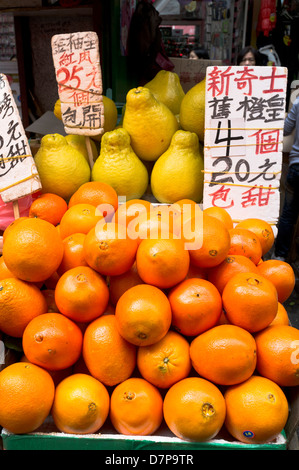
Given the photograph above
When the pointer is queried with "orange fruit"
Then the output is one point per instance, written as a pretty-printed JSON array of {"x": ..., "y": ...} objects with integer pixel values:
[
  {"x": 256, "y": 410},
  {"x": 250, "y": 301},
  {"x": 48, "y": 206},
  {"x": 26, "y": 394},
  {"x": 73, "y": 252},
  {"x": 168, "y": 215},
  {"x": 109, "y": 250},
  {"x": 136, "y": 407},
  {"x": 52, "y": 341},
  {"x": 81, "y": 405},
  {"x": 162, "y": 263},
  {"x": 281, "y": 274},
  {"x": 130, "y": 210},
  {"x": 81, "y": 294},
  {"x": 194, "y": 409},
  {"x": 229, "y": 354},
  {"x": 277, "y": 354},
  {"x": 262, "y": 230},
  {"x": 80, "y": 218},
  {"x": 282, "y": 317},
  {"x": 20, "y": 302},
  {"x": 143, "y": 315},
  {"x": 220, "y": 214},
  {"x": 119, "y": 284},
  {"x": 4, "y": 271},
  {"x": 231, "y": 265},
  {"x": 150, "y": 225},
  {"x": 98, "y": 194},
  {"x": 33, "y": 250},
  {"x": 246, "y": 243},
  {"x": 196, "y": 306},
  {"x": 107, "y": 355},
  {"x": 165, "y": 362},
  {"x": 49, "y": 295},
  {"x": 215, "y": 243}
]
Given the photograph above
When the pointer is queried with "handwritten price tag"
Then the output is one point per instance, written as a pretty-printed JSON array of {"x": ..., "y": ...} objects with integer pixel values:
[
  {"x": 18, "y": 173},
  {"x": 245, "y": 110},
  {"x": 78, "y": 74}
]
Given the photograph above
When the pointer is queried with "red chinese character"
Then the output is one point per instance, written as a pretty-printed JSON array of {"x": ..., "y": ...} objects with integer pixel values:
[
  {"x": 256, "y": 196},
  {"x": 66, "y": 59},
  {"x": 85, "y": 57},
  {"x": 221, "y": 194},
  {"x": 266, "y": 142},
  {"x": 219, "y": 81},
  {"x": 272, "y": 77},
  {"x": 245, "y": 80}
]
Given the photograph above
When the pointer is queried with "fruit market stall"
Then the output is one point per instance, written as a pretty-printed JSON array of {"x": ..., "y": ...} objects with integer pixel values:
[{"x": 140, "y": 318}]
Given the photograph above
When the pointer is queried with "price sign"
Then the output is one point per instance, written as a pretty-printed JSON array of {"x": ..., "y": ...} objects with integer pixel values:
[
  {"x": 18, "y": 173},
  {"x": 78, "y": 74},
  {"x": 244, "y": 117}
]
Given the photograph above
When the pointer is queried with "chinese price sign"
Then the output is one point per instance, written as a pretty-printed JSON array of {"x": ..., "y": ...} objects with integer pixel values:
[
  {"x": 244, "y": 118},
  {"x": 18, "y": 174},
  {"x": 78, "y": 74}
]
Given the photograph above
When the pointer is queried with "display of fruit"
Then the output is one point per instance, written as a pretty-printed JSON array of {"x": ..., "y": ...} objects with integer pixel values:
[{"x": 119, "y": 315}]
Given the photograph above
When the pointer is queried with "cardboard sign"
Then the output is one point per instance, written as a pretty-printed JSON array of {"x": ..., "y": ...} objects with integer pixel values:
[
  {"x": 18, "y": 173},
  {"x": 78, "y": 73},
  {"x": 244, "y": 117}
]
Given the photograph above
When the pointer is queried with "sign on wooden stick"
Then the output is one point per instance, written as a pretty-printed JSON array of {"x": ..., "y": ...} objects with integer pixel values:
[
  {"x": 244, "y": 118},
  {"x": 18, "y": 174}
]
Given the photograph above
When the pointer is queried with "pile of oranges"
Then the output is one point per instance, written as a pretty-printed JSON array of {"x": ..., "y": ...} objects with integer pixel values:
[{"x": 145, "y": 315}]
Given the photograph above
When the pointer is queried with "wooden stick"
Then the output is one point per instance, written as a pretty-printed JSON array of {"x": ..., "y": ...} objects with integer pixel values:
[
  {"x": 16, "y": 209},
  {"x": 89, "y": 151}
]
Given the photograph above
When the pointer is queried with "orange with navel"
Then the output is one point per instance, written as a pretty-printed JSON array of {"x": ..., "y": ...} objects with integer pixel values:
[
  {"x": 246, "y": 243},
  {"x": 48, "y": 206},
  {"x": 196, "y": 306},
  {"x": 143, "y": 315},
  {"x": 213, "y": 240},
  {"x": 194, "y": 409},
  {"x": 229, "y": 354},
  {"x": 166, "y": 361},
  {"x": 81, "y": 294},
  {"x": 80, "y": 218},
  {"x": 107, "y": 355},
  {"x": 81, "y": 405},
  {"x": 98, "y": 194},
  {"x": 162, "y": 263},
  {"x": 282, "y": 276},
  {"x": 262, "y": 230},
  {"x": 52, "y": 341},
  {"x": 20, "y": 302},
  {"x": 109, "y": 250},
  {"x": 26, "y": 396},
  {"x": 32, "y": 249},
  {"x": 231, "y": 265},
  {"x": 256, "y": 410},
  {"x": 136, "y": 407},
  {"x": 250, "y": 301},
  {"x": 277, "y": 354}
]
